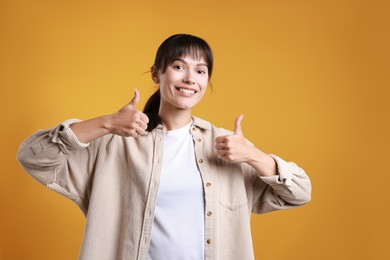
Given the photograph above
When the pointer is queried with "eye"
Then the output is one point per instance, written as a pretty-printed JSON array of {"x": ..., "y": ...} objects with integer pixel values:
[
  {"x": 202, "y": 70},
  {"x": 178, "y": 67}
]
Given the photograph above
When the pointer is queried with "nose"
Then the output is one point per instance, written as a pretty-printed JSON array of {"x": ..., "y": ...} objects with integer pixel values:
[{"x": 189, "y": 78}]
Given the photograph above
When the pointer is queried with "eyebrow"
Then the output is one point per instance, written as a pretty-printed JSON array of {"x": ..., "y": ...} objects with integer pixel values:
[{"x": 198, "y": 64}]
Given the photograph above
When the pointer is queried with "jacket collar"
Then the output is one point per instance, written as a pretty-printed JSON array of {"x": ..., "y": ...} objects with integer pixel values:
[
  {"x": 201, "y": 123},
  {"x": 196, "y": 121}
]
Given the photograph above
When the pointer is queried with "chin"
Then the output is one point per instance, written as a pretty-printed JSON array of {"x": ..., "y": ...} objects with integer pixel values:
[{"x": 187, "y": 106}]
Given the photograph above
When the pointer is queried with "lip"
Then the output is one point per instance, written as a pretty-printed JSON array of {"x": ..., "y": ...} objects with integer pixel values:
[{"x": 186, "y": 88}]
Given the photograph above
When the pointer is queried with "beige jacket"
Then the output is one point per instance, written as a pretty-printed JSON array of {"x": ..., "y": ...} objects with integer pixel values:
[{"x": 114, "y": 180}]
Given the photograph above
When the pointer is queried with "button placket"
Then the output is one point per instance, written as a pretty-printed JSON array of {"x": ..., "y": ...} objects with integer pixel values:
[
  {"x": 203, "y": 168},
  {"x": 152, "y": 196}
]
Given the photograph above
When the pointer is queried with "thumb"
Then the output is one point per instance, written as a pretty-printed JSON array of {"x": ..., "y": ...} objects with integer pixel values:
[
  {"x": 237, "y": 125},
  {"x": 135, "y": 99}
]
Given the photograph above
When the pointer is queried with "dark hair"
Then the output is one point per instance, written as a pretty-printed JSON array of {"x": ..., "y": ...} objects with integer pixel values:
[{"x": 174, "y": 47}]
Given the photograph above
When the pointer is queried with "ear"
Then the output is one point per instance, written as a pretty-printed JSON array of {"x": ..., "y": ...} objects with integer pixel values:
[{"x": 154, "y": 72}]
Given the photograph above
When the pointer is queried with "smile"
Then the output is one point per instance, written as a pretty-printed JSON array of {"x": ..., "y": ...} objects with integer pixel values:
[{"x": 186, "y": 90}]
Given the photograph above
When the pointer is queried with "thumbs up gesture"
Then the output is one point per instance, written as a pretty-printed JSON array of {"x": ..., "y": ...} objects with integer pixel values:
[
  {"x": 237, "y": 125},
  {"x": 129, "y": 121},
  {"x": 234, "y": 148}
]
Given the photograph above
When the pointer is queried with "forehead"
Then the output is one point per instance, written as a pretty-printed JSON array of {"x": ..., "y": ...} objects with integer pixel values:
[
  {"x": 188, "y": 59},
  {"x": 191, "y": 52}
]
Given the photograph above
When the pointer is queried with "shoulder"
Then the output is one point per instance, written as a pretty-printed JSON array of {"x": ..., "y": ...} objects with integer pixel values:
[{"x": 208, "y": 126}]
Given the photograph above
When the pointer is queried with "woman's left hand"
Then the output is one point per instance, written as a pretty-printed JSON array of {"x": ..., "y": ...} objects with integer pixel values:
[
  {"x": 237, "y": 149},
  {"x": 234, "y": 148}
]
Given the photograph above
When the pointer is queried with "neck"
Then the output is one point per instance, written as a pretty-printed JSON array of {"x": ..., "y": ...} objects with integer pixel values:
[{"x": 174, "y": 118}]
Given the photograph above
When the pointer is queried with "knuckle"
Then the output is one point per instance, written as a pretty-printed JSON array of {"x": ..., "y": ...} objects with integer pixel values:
[{"x": 145, "y": 118}]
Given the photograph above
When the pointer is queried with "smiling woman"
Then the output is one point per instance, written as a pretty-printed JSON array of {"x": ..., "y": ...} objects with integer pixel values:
[
  {"x": 189, "y": 62},
  {"x": 183, "y": 84},
  {"x": 164, "y": 184}
]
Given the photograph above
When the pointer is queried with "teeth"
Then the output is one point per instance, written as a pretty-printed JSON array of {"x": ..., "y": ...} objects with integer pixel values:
[{"x": 189, "y": 91}]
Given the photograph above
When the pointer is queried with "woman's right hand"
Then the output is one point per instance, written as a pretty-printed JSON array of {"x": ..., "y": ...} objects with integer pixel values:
[{"x": 129, "y": 121}]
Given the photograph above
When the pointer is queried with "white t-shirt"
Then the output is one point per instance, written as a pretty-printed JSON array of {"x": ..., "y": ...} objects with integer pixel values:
[{"x": 178, "y": 228}]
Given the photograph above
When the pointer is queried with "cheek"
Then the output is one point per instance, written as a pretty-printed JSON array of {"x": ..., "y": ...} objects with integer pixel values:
[
  {"x": 202, "y": 80},
  {"x": 202, "y": 92},
  {"x": 204, "y": 85},
  {"x": 164, "y": 91}
]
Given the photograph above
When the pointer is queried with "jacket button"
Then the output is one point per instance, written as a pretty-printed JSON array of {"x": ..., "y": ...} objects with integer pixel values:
[
  {"x": 209, "y": 213},
  {"x": 208, "y": 184},
  {"x": 200, "y": 161},
  {"x": 208, "y": 241},
  {"x": 199, "y": 139}
]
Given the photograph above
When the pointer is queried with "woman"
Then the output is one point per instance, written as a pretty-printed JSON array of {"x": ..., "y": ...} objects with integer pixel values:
[{"x": 163, "y": 184}]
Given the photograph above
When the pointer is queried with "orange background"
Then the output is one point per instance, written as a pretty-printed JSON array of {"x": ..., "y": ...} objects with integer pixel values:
[{"x": 311, "y": 78}]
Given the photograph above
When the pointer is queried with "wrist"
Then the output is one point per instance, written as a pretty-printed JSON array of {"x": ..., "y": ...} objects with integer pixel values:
[
  {"x": 264, "y": 164},
  {"x": 106, "y": 124},
  {"x": 255, "y": 156}
]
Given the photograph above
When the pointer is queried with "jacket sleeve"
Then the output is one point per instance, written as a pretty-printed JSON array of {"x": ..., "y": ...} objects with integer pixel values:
[
  {"x": 290, "y": 188},
  {"x": 58, "y": 160}
]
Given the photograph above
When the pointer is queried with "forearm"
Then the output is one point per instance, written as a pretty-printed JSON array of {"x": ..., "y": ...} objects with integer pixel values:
[
  {"x": 263, "y": 163},
  {"x": 44, "y": 153},
  {"x": 91, "y": 129},
  {"x": 295, "y": 192},
  {"x": 291, "y": 187}
]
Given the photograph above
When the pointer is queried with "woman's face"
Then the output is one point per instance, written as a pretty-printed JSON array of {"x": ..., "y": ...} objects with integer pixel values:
[{"x": 183, "y": 83}]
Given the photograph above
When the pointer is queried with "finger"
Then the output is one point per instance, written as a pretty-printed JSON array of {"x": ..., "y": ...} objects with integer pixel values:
[
  {"x": 140, "y": 116},
  {"x": 221, "y": 146},
  {"x": 144, "y": 118},
  {"x": 221, "y": 153},
  {"x": 142, "y": 124},
  {"x": 237, "y": 125},
  {"x": 139, "y": 131},
  {"x": 129, "y": 133},
  {"x": 221, "y": 139},
  {"x": 135, "y": 99}
]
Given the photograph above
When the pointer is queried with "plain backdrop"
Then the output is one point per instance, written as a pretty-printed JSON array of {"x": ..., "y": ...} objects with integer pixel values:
[{"x": 311, "y": 78}]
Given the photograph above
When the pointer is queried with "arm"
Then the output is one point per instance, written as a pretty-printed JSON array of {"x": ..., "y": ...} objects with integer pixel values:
[
  {"x": 58, "y": 160},
  {"x": 63, "y": 157},
  {"x": 280, "y": 184},
  {"x": 128, "y": 121},
  {"x": 235, "y": 148}
]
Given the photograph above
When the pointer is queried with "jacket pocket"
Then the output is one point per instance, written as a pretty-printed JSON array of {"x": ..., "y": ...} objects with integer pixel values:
[
  {"x": 231, "y": 184},
  {"x": 232, "y": 206}
]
